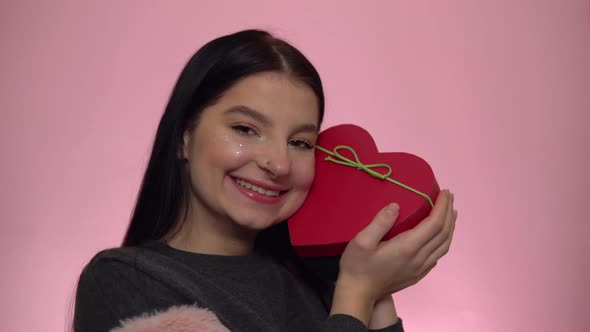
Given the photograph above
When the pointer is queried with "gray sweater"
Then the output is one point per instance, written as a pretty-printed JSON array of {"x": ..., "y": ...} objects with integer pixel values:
[{"x": 247, "y": 293}]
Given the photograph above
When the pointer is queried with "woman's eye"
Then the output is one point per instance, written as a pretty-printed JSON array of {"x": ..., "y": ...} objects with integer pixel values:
[
  {"x": 244, "y": 129},
  {"x": 301, "y": 143}
]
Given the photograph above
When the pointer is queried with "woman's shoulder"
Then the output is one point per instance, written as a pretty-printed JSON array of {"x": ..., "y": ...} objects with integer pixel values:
[
  {"x": 113, "y": 261},
  {"x": 134, "y": 258},
  {"x": 139, "y": 268},
  {"x": 116, "y": 285},
  {"x": 127, "y": 271},
  {"x": 116, "y": 254}
]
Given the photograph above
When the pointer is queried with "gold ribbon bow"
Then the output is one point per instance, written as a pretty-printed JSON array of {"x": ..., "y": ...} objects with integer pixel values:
[{"x": 336, "y": 157}]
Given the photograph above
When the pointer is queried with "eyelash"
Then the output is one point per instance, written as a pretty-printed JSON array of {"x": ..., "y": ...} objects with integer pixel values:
[
  {"x": 244, "y": 129},
  {"x": 302, "y": 144}
]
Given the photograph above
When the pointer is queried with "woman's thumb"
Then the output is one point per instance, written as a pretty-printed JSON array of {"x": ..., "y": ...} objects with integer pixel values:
[{"x": 381, "y": 224}]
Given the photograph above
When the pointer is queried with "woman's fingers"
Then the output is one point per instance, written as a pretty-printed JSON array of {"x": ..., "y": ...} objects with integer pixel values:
[
  {"x": 440, "y": 238},
  {"x": 413, "y": 240},
  {"x": 434, "y": 223},
  {"x": 443, "y": 249},
  {"x": 370, "y": 236}
]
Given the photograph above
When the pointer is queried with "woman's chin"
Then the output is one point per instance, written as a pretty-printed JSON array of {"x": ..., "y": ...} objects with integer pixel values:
[{"x": 257, "y": 225}]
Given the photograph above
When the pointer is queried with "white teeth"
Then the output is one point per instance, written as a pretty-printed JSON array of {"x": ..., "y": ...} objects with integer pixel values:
[{"x": 256, "y": 188}]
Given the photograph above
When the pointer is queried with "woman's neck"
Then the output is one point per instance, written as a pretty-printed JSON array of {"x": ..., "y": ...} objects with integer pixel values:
[{"x": 208, "y": 235}]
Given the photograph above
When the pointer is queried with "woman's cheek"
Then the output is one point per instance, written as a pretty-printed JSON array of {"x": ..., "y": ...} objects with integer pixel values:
[
  {"x": 305, "y": 175},
  {"x": 239, "y": 151},
  {"x": 235, "y": 151}
]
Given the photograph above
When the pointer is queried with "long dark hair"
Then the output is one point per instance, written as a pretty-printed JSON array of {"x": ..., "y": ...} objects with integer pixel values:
[{"x": 163, "y": 199}]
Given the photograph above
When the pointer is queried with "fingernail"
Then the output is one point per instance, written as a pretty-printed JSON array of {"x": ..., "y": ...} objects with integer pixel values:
[{"x": 392, "y": 208}]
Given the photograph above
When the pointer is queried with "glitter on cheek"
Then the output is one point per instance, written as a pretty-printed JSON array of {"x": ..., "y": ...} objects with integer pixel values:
[
  {"x": 244, "y": 151},
  {"x": 236, "y": 147},
  {"x": 239, "y": 151}
]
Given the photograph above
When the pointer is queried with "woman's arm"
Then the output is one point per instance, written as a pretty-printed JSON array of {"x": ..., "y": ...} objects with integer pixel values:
[
  {"x": 384, "y": 314},
  {"x": 350, "y": 299}
]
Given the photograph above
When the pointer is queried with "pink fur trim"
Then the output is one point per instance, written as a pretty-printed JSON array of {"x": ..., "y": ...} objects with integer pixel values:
[{"x": 175, "y": 319}]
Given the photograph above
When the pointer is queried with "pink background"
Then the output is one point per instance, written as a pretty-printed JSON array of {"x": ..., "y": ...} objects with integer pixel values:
[{"x": 494, "y": 94}]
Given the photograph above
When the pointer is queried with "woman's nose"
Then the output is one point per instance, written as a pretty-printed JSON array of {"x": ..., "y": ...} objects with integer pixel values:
[{"x": 276, "y": 161}]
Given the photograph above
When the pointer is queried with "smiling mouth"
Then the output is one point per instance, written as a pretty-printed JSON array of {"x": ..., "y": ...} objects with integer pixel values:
[{"x": 258, "y": 189}]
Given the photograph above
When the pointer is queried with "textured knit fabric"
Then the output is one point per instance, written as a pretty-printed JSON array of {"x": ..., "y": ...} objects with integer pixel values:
[
  {"x": 186, "y": 318},
  {"x": 246, "y": 293}
]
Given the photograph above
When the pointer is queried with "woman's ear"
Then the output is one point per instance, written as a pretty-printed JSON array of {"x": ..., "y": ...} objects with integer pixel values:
[{"x": 185, "y": 148}]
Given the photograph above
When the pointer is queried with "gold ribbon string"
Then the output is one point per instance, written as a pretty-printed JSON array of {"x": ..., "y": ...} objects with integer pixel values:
[{"x": 337, "y": 158}]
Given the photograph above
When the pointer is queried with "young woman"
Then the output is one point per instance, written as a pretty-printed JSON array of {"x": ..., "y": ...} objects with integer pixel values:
[{"x": 233, "y": 159}]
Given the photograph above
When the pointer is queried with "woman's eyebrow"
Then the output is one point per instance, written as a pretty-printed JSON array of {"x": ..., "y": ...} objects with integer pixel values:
[
  {"x": 311, "y": 128},
  {"x": 254, "y": 114},
  {"x": 247, "y": 111}
]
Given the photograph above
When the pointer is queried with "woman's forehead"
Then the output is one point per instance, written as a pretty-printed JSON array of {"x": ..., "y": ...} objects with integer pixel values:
[{"x": 273, "y": 95}]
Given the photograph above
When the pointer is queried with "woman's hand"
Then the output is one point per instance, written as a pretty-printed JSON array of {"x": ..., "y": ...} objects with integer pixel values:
[{"x": 371, "y": 269}]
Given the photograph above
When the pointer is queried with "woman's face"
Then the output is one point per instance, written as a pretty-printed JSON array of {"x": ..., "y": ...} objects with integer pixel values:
[{"x": 250, "y": 155}]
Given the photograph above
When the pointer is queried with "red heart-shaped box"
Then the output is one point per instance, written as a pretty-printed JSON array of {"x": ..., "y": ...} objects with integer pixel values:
[{"x": 343, "y": 200}]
